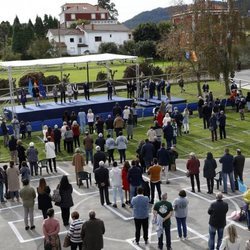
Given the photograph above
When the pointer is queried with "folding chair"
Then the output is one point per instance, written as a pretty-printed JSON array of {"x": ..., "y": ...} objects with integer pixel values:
[
  {"x": 43, "y": 164},
  {"x": 84, "y": 176}
]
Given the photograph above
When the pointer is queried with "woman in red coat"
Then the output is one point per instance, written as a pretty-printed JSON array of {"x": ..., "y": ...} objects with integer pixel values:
[
  {"x": 76, "y": 133},
  {"x": 125, "y": 184},
  {"x": 193, "y": 167},
  {"x": 159, "y": 118}
]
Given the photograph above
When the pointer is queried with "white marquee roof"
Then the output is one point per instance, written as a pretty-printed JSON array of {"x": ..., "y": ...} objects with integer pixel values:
[{"x": 67, "y": 60}]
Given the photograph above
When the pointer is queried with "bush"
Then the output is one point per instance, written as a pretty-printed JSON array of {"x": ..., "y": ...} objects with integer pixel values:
[
  {"x": 101, "y": 76},
  {"x": 51, "y": 80},
  {"x": 24, "y": 80},
  {"x": 145, "y": 49},
  {"x": 108, "y": 48},
  {"x": 4, "y": 84}
]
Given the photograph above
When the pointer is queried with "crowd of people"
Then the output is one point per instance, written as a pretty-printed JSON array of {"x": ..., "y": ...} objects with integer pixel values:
[{"x": 153, "y": 157}]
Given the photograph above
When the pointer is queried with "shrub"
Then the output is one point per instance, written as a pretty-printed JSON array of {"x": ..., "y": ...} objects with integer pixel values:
[
  {"x": 101, "y": 76},
  {"x": 24, "y": 80},
  {"x": 51, "y": 80}
]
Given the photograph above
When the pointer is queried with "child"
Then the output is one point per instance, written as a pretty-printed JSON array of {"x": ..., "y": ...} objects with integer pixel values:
[
  {"x": 29, "y": 129},
  {"x": 25, "y": 171}
]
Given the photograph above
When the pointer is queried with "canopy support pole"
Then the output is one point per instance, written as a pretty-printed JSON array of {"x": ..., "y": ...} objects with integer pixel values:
[{"x": 12, "y": 96}]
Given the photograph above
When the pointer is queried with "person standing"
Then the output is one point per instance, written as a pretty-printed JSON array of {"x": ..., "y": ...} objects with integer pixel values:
[
  {"x": 36, "y": 94},
  {"x": 109, "y": 90},
  {"x": 76, "y": 133},
  {"x": 140, "y": 204},
  {"x": 147, "y": 153},
  {"x": 121, "y": 142},
  {"x": 32, "y": 157},
  {"x": 125, "y": 183},
  {"x": 78, "y": 162},
  {"x": 90, "y": 119},
  {"x": 65, "y": 190},
  {"x": 68, "y": 137},
  {"x": 21, "y": 152},
  {"x": 24, "y": 171},
  {"x": 168, "y": 132},
  {"x": 206, "y": 114},
  {"x": 88, "y": 144},
  {"x": 213, "y": 127},
  {"x": 110, "y": 146},
  {"x": 168, "y": 90},
  {"x": 227, "y": 170},
  {"x": 117, "y": 110},
  {"x": 92, "y": 233},
  {"x": 193, "y": 166},
  {"x": 100, "y": 141},
  {"x": 28, "y": 195},
  {"x": 209, "y": 171},
  {"x": 57, "y": 139},
  {"x": 185, "y": 121},
  {"x": 55, "y": 93},
  {"x": 62, "y": 89},
  {"x": 86, "y": 90},
  {"x": 231, "y": 241},
  {"x": 155, "y": 179},
  {"x": 13, "y": 181},
  {"x": 222, "y": 124},
  {"x": 102, "y": 180},
  {"x": 130, "y": 127},
  {"x": 180, "y": 206},
  {"x": 82, "y": 120},
  {"x": 110, "y": 125},
  {"x": 116, "y": 183},
  {"x": 239, "y": 162},
  {"x": 43, "y": 197},
  {"x": 163, "y": 211},
  {"x": 75, "y": 91},
  {"x": 2, "y": 182},
  {"x": 74, "y": 232},
  {"x": 5, "y": 132},
  {"x": 98, "y": 156},
  {"x": 118, "y": 124},
  {"x": 163, "y": 158},
  {"x": 69, "y": 92},
  {"x": 50, "y": 153},
  {"x": 217, "y": 221},
  {"x": 16, "y": 127},
  {"x": 13, "y": 148},
  {"x": 51, "y": 229}
]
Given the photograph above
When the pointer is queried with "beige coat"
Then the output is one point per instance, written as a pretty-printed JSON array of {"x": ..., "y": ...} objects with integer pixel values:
[
  {"x": 78, "y": 162},
  {"x": 13, "y": 179}
]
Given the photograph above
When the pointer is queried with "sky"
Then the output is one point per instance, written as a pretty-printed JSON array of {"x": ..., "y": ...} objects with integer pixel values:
[{"x": 26, "y": 9}]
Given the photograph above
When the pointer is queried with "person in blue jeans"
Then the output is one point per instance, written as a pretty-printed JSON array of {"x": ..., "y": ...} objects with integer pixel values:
[
  {"x": 163, "y": 211},
  {"x": 227, "y": 170},
  {"x": 180, "y": 206},
  {"x": 217, "y": 221}
]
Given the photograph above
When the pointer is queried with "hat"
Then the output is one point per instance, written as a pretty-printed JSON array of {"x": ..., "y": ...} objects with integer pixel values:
[
  {"x": 56, "y": 126},
  {"x": 192, "y": 154},
  {"x": 86, "y": 132},
  {"x": 101, "y": 163},
  {"x": 31, "y": 144},
  {"x": 100, "y": 135},
  {"x": 97, "y": 148},
  {"x": 109, "y": 116},
  {"x": 238, "y": 150}
]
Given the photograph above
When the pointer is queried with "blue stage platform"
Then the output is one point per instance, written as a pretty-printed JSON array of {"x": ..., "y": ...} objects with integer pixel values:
[
  {"x": 51, "y": 110},
  {"x": 155, "y": 102}
]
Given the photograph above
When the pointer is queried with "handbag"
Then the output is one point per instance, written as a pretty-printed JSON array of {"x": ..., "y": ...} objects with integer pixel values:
[
  {"x": 47, "y": 245},
  {"x": 66, "y": 242},
  {"x": 56, "y": 197},
  {"x": 242, "y": 187},
  {"x": 187, "y": 173}
]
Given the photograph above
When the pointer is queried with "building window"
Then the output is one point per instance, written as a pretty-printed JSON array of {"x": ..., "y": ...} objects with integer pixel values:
[
  {"x": 103, "y": 16},
  {"x": 93, "y": 16},
  {"x": 98, "y": 38},
  {"x": 110, "y": 35},
  {"x": 71, "y": 40},
  {"x": 80, "y": 40},
  {"x": 73, "y": 16}
]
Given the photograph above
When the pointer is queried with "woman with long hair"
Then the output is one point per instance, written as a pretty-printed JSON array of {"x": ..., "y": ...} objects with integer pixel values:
[
  {"x": 209, "y": 171},
  {"x": 65, "y": 190},
  {"x": 125, "y": 184},
  {"x": 51, "y": 229},
  {"x": 44, "y": 198},
  {"x": 231, "y": 241}
]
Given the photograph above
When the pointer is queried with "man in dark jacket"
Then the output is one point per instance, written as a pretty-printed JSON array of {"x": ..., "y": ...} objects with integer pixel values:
[
  {"x": 147, "y": 153},
  {"x": 98, "y": 156},
  {"x": 57, "y": 138},
  {"x": 13, "y": 148},
  {"x": 227, "y": 169},
  {"x": 213, "y": 127},
  {"x": 117, "y": 110},
  {"x": 168, "y": 133},
  {"x": 222, "y": 124},
  {"x": 239, "y": 162},
  {"x": 163, "y": 158},
  {"x": 5, "y": 132},
  {"x": 102, "y": 180},
  {"x": 206, "y": 114},
  {"x": 92, "y": 233},
  {"x": 134, "y": 178},
  {"x": 100, "y": 141},
  {"x": 110, "y": 125},
  {"x": 217, "y": 220}
]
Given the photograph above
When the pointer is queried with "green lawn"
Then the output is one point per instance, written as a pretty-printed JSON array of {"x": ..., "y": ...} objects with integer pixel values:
[{"x": 197, "y": 141}]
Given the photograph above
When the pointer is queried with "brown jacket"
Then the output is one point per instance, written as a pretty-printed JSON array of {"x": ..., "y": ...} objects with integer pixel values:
[
  {"x": 118, "y": 122},
  {"x": 78, "y": 162},
  {"x": 88, "y": 142}
]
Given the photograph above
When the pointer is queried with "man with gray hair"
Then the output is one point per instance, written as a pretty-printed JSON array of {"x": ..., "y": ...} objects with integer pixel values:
[
  {"x": 217, "y": 221},
  {"x": 92, "y": 232}
]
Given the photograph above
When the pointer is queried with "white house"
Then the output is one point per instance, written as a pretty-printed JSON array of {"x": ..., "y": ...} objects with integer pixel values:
[{"x": 87, "y": 38}]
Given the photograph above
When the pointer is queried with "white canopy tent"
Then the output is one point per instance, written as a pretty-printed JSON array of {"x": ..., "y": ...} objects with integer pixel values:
[{"x": 106, "y": 58}]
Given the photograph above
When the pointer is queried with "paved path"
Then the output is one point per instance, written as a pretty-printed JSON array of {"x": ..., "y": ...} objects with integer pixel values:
[{"x": 119, "y": 222}]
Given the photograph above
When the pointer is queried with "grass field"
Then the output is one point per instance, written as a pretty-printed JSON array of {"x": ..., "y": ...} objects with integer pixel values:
[{"x": 198, "y": 141}]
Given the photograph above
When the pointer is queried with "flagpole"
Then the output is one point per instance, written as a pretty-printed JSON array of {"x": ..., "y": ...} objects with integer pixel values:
[{"x": 12, "y": 98}]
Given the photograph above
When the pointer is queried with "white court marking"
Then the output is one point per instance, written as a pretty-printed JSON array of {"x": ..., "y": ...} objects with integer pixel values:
[{"x": 113, "y": 210}]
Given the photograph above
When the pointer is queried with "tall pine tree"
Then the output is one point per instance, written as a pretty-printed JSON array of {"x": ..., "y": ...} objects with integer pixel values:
[{"x": 39, "y": 28}]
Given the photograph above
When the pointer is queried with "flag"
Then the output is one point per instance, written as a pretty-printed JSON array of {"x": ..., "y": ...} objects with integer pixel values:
[
  {"x": 193, "y": 56},
  {"x": 41, "y": 89},
  {"x": 30, "y": 86},
  {"x": 187, "y": 55}
]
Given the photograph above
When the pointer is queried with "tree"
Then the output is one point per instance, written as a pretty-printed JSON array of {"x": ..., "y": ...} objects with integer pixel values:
[
  {"x": 108, "y": 48},
  {"x": 146, "y": 48},
  {"x": 40, "y": 48},
  {"x": 39, "y": 28},
  {"x": 146, "y": 31},
  {"x": 164, "y": 28},
  {"x": 128, "y": 48},
  {"x": 105, "y": 4}
]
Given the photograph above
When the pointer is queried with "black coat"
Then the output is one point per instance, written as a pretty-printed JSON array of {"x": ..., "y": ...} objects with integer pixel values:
[
  {"x": 102, "y": 176},
  {"x": 147, "y": 151},
  {"x": 44, "y": 199},
  {"x": 217, "y": 212},
  {"x": 66, "y": 197},
  {"x": 100, "y": 141},
  {"x": 98, "y": 156},
  {"x": 209, "y": 168},
  {"x": 21, "y": 153},
  {"x": 57, "y": 134}
]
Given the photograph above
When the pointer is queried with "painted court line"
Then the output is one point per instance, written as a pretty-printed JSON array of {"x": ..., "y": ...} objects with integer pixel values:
[
  {"x": 119, "y": 214},
  {"x": 63, "y": 171}
]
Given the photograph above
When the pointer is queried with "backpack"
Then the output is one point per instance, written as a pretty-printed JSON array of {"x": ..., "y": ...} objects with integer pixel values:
[{"x": 56, "y": 197}]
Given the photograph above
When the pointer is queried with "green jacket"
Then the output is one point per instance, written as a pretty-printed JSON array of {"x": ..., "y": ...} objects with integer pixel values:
[
  {"x": 246, "y": 198},
  {"x": 28, "y": 195}
]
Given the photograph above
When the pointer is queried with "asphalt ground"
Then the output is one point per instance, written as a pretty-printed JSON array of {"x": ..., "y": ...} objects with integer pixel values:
[{"x": 120, "y": 230}]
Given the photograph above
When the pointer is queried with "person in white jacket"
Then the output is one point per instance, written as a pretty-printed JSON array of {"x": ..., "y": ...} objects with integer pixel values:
[
  {"x": 50, "y": 153},
  {"x": 116, "y": 183}
]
